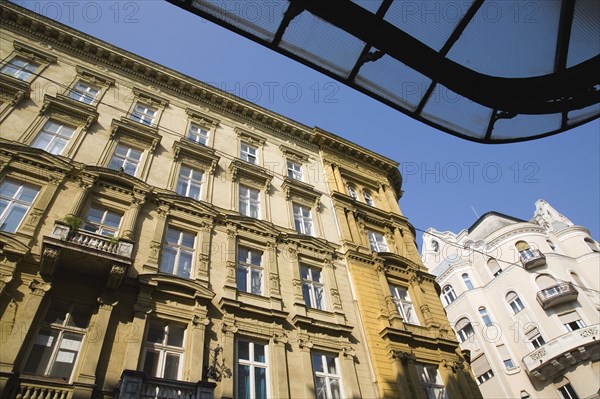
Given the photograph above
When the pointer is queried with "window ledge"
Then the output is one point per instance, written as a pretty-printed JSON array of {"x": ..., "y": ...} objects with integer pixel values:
[
  {"x": 246, "y": 302},
  {"x": 135, "y": 130},
  {"x": 14, "y": 90},
  {"x": 316, "y": 318}
]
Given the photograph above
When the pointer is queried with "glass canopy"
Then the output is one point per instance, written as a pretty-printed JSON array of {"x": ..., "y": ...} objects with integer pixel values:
[{"x": 484, "y": 70}]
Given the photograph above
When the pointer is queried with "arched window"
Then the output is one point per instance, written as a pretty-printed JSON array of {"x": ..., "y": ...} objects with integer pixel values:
[
  {"x": 522, "y": 246},
  {"x": 551, "y": 245},
  {"x": 368, "y": 198},
  {"x": 494, "y": 267},
  {"x": 464, "y": 329},
  {"x": 448, "y": 294},
  {"x": 467, "y": 281},
  {"x": 352, "y": 192},
  {"x": 547, "y": 284},
  {"x": 487, "y": 320},
  {"x": 435, "y": 246},
  {"x": 515, "y": 302},
  {"x": 593, "y": 245}
]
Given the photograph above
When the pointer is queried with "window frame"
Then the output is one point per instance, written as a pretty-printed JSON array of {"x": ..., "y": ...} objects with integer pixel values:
[
  {"x": 369, "y": 200},
  {"x": 446, "y": 294},
  {"x": 249, "y": 269},
  {"x": 352, "y": 192},
  {"x": 301, "y": 221},
  {"x": 164, "y": 349},
  {"x": 193, "y": 124},
  {"x": 310, "y": 285},
  {"x": 485, "y": 315},
  {"x": 249, "y": 201},
  {"x": 130, "y": 148},
  {"x": 465, "y": 332},
  {"x": 101, "y": 225},
  {"x": 293, "y": 172},
  {"x": 431, "y": 388},
  {"x": 11, "y": 201},
  {"x": 17, "y": 70},
  {"x": 567, "y": 391},
  {"x": 54, "y": 135},
  {"x": 375, "y": 244},
  {"x": 247, "y": 155},
  {"x": 189, "y": 181},
  {"x": 519, "y": 305},
  {"x": 401, "y": 304},
  {"x": 178, "y": 248},
  {"x": 253, "y": 365},
  {"x": 326, "y": 374},
  {"x": 468, "y": 282},
  {"x": 79, "y": 96}
]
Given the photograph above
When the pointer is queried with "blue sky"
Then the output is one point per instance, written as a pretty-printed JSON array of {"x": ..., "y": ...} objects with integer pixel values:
[{"x": 447, "y": 181}]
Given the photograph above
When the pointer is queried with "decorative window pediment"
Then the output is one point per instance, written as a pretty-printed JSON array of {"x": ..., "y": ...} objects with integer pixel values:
[
  {"x": 292, "y": 153},
  {"x": 137, "y": 134},
  {"x": 249, "y": 174},
  {"x": 202, "y": 118},
  {"x": 196, "y": 154},
  {"x": 250, "y": 138},
  {"x": 33, "y": 53},
  {"x": 13, "y": 90},
  {"x": 300, "y": 191},
  {"x": 62, "y": 107},
  {"x": 94, "y": 77},
  {"x": 188, "y": 206},
  {"x": 149, "y": 98},
  {"x": 252, "y": 225}
]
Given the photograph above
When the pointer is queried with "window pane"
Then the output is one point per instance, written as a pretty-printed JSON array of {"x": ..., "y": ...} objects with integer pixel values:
[
  {"x": 243, "y": 382},
  {"x": 12, "y": 221},
  {"x": 321, "y": 389},
  {"x": 175, "y": 337},
  {"x": 113, "y": 219},
  {"x": 151, "y": 363},
  {"x": 243, "y": 350},
  {"x": 259, "y": 353},
  {"x": 335, "y": 389},
  {"x": 260, "y": 382},
  {"x": 330, "y": 364},
  {"x": 242, "y": 284},
  {"x": 185, "y": 264},
  {"x": 319, "y": 298},
  {"x": 9, "y": 189},
  {"x": 317, "y": 363},
  {"x": 156, "y": 333},
  {"x": 41, "y": 352},
  {"x": 171, "y": 366},
  {"x": 256, "y": 282},
  {"x": 168, "y": 260}
]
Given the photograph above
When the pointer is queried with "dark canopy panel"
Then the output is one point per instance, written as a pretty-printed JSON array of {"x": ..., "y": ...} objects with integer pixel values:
[{"x": 484, "y": 70}]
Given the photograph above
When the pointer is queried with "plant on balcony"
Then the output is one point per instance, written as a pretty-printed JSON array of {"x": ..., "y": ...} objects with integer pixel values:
[{"x": 74, "y": 223}]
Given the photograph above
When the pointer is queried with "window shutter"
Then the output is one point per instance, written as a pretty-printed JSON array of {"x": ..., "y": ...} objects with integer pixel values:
[{"x": 480, "y": 365}]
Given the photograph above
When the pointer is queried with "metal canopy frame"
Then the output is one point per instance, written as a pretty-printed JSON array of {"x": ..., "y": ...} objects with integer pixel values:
[{"x": 564, "y": 90}]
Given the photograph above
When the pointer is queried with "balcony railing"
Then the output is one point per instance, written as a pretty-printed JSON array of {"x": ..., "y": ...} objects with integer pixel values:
[
  {"x": 38, "y": 388},
  {"x": 564, "y": 351},
  {"x": 136, "y": 385},
  {"x": 98, "y": 242},
  {"x": 531, "y": 258},
  {"x": 557, "y": 294}
]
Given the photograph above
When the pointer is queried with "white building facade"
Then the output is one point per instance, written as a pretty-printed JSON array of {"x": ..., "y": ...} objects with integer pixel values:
[{"x": 523, "y": 299}]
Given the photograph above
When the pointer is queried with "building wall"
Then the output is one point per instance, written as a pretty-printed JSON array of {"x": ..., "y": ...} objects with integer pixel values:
[{"x": 541, "y": 369}]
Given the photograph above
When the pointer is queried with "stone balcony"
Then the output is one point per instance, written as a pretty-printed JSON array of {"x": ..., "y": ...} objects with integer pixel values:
[
  {"x": 557, "y": 294},
  {"x": 137, "y": 385},
  {"x": 531, "y": 258},
  {"x": 30, "y": 387},
  {"x": 565, "y": 351}
]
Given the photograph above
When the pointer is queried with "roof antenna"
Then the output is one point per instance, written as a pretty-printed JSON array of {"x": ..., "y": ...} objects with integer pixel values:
[{"x": 473, "y": 209}]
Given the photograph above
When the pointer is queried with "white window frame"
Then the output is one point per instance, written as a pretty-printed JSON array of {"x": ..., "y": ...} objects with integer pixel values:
[
  {"x": 468, "y": 282},
  {"x": 62, "y": 136},
  {"x": 516, "y": 304},
  {"x": 179, "y": 249},
  {"x": 567, "y": 392},
  {"x": 311, "y": 287},
  {"x": 294, "y": 170},
  {"x": 404, "y": 304},
  {"x": 303, "y": 223},
  {"x": 488, "y": 375},
  {"x": 126, "y": 159},
  {"x": 377, "y": 242},
  {"x": 250, "y": 270},
  {"x": 368, "y": 198},
  {"x": 252, "y": 365},
  {"x": 248, "y": 153},
  {"x": 101, "y": 227},
  {"x": 198, "y": 134},
  {"x": 164, "y": 349},
  {"x": 352, "y": 192},
  {"x": 15, "y": 202},
  {"x": 245, "y": 197},
  {"x": 448, "y": 294},
  {"x": 144, "y": 113},
  {"x": 485, "y": 316},
  {"x": 326, "y": 375},
  {"x": 537, "y": 341},
  {"x": 578, "y": 323},
  {"x": 22, "y": 72},
  {"x": 83, "y": 91},
  {"x": 431, "y": 381},
  {"x": 465, "y": 332},
  {"x": 189, "y": 180}
]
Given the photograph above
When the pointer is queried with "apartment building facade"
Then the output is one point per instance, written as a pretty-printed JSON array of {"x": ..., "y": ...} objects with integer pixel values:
[
  {"x": 523, "y": 298},
  {"x": 162, "y": 238}
]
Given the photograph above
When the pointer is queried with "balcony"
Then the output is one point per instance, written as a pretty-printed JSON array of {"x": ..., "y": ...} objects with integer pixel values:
[
  {"x": 557, "y": 294},
  {"x": 40, "y": 387},
  {"x": 565, "y": 351},
  {"x": 531, "y": 258},
  {"x": 136, "y": 385}
]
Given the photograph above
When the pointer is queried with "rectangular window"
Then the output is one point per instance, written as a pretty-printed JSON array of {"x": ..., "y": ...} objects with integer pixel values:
[
  {"x": 368, "y": 198},
  {"x": 482, "y": 369},
  {"x": 197, "y": 134},
  {"x": 303, "y": 220},
  {"x": 19, "y": 68},
  {"x": 144, "y": 114},
  {"x": 84, "y": 92},
  {"x": 15, "y": 200},
  {"x": 535, "y": 338},
  {"x": 294, "y": 170},
  {"x": 126, "y": 159},
  {"x": 58, "y": 341},
  {"x": 250, "y": 271},
  {"x": 328, "y": 380},
  {"x": 163, "y": 350},
  {"x": 312, "y": 287},
  {"x": 178, "y": 253},
  {"x": 248, "y": 153},
  {"x": 404, "y": 304},
  {"x": 249, "y": 202},
  {"x": 100, "y": 220},
  {"x": 571, "y": 321},
  {"x": 505, "y": 356},
  {"x": 189, "y": 183},
  {"x": 252, "y": 370},
  {"x": 431, "y": 381},
  {"x": 485, "y": 376},
  {"x": 567, "y": 392},
  {"x": 377, "y": 242},
  {"x": 53, "y": 137}
]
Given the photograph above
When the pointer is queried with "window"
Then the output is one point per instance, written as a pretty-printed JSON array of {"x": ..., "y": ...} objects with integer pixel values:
[
  {"x": 485, "y": 376},
  {"x": 248, "y": 153},
  {"x": 189, "y": 183},
  {"x": 163, "y": 350},
  {"x": 487, "y": 320},
  {"x": 467, "y": 281},
  {"x": 20, "y": 68},
  {"x": 377, "y": 242},
  {"x": 368, "y": 198},
  {"x": 515, "y": 302},
  {"x": 126, "y": 159},
  {"x": 464, "y": 330},
  {"x": 178, "y": 253},
  {"x": 252, "y": 370},
  {"x": 294, "y": 170},
  {"x": 482, "y": 369},
  {"x": 571, "y": 321},
  {"x": 144, "y": 114},
  {"x": 593, "y": 245},
  {"x": 15, "y": 200},
  {"x": 352, "y": 192},
  {"x": 312, "y": 287},
  {"x": 494, "y": 267},
  {"x": 250, "y": 271},
  {"x": 197, "y": 134},
  {"x": 551, "y": 245},
  {"x": 303, "y": 220},
  {"x": 448, "y": 294},
  {"x": 328, "y": 381},
  {"x": 84, "y": 92},
  {"x": 505, "y": 356},
  {"x": 58, "y": 341},
  {"x": 535, "y": 338},
  {"x": 525, "y": 251},
  {"x": 102, "y": 221},
  {"x": 431, "y": 381},
  {"x": 53, "y": 137},
  {"x": 567, "y": 392},
  {"x": 404, "y": 304},
  {"x": 249, "y": 202}
]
